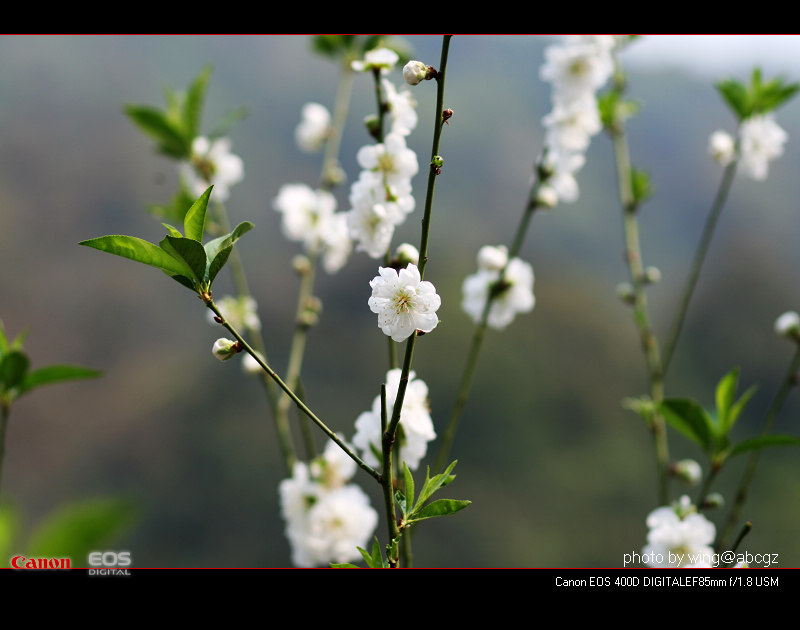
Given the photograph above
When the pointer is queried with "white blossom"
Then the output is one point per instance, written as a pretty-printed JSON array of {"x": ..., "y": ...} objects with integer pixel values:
[
  {"x": 392, "y": 158},
  {"x": 224, "y": 349},
  {"x": 761, "y": 141},
  {"x": 334, "y": 467},
  {"x": 403, "y": 302},
  {"x": 402, "y": 108},
  {"x": 788, "y": 325},
  {"x": 578, "y": 65},
  {"x": 314, "y": 128},
  {"x": 212, "y": 163},
  {"x": 382, "y": 59},
  {"x": 515, "y": 297},
  {"x": 414, "y": 72},
  {"x": 415, "y": 419},
  {"x": 679, "y": 537},
  {"x": 722, "y": 147}
]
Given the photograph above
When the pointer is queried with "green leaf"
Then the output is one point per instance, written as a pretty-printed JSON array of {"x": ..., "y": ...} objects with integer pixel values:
[
  {"x": 190, "y": 252},
  {"x": 9, "y": 528},
  {"x": 177, "y": 208},
  {"x": 80, "y": 528},
  {"x": 736, "y": 97},
  {"x": 56, "y": 374},
  {"x": 739, "y": 405},
  {"x": 640, "y": 185},
  {"x": 218, "y": 250},
  {"x": 195, "y": 221},
  {"x": 141, "y": 251},
  {"x": 764, "y": 441},
  {"x": 726, "y": 390},
  {"x": 173, "y": 230},
  {"x": 689, "y": 418},
  {"x": 3, "y": 340},
  {"x": 373, "y": 560},
  {"x": 432, "y": 485},
  {"x": 400, "y": 499},
  {"x": 157, "y": 125},
  {"x": 13, "y": 367},
  {"x": 441, "y": 507},
  {"x": 193, "y": 106},
  {"x": 409, "y": 483}
]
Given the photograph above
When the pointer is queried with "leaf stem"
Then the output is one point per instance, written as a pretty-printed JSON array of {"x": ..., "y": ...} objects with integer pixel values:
[
  {"x": 697, "y": 263},
  {"x": 789, "y": 381}
]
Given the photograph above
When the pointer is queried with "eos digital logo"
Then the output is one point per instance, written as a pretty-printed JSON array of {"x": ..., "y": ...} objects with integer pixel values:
[{"x": 111, "y": 562}]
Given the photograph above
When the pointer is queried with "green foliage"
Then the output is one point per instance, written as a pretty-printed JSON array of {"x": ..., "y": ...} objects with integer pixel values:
[
  {"x": 178, "y": 125},
  {"x": 640, "y": 185},
  {"x": 419, "y": 511},
  {"x": 184, "y": 258},
  {"x": 712, "y": 431},
  {"x": 756, "y": 98},
  {"x": 79, "y": 528},
  {"x": 16, "y": 378}
]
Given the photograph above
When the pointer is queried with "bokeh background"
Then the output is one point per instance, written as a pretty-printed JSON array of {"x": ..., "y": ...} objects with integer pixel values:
[{"x": 558, "y": 472}]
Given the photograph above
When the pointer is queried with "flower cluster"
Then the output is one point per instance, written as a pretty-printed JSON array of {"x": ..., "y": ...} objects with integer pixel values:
[
  {"x": 514, "y": 295},
  {"x": 679, "y": 537},
  {"x": 380, "y": 199},
  {"x": 403, "y": 302},
  {"x": 761, "y": 141},
  {"x": 310, "y": 217},
  {"x": 326, "y": 518},
  {"x": 415, "y": 420},
  {"x": 577, "y": 68},
  {"x": 212, "y": 163}
]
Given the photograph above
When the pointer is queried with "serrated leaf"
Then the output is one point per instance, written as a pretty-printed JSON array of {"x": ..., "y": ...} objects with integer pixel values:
[
  {"x": 195, "y": 221},
  {"x": 764, "y": 441},
  {"x": 726, "y": 390},
  {"x": 80, "y": 528},
  {"x": 141, "y": 251},
  {"x": 56, "y": 374},
  {"x": 190, "y": 252},
  {"x": 690, "y": 419},
  {"x": 13, "y": 367},
  {"x": 441, "y": 507},
  {"x": 157, "y": 125},
  {"x": 377, "y": 558},
  {"x": 736, "y": 97},
  {"x": 408, "y": 479}
]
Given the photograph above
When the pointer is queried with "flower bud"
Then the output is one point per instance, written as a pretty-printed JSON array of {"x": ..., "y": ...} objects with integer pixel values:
[
  {"x": 437, "y": 161},
  {"x": 652, "y": 275},
  {"x": 714, "y": 500},
  {"x": 625, "y": 292},
  {"x": 788, "y": 325},
  {"x": 224, "y": 349},
  {"x": 406, "y": 253},
  {"x": 547, "y": 197},
  {"x": 301, "y": 264},
  {"x": 373, "y": 125},
  {"x": 414, "y": 72},
  {"x": 722, "y": 147},
  {"x": 688, "y": 471},
  {"x": 492, "y": 258}
]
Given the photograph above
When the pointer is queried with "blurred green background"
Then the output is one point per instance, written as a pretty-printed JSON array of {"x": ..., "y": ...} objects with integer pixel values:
[{"x": 558, "y": 473}]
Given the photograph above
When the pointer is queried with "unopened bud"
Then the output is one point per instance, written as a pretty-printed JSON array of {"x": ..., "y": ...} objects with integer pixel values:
[
  {"x": 722, "y": 147},
  {"x": 313, "y": 304},
  {"x": 688, "y": 471},
  {"x": 373, "y": 125},
  {"x": 492, "y": 258},
  {"x": 447, "y": 115},
  {"x": 625, "y": 292},
  {"x": 437, "y": 161},
  {"x": 547, "y": 197},
  {"x": 405, "y": 254},
  {"x": 714, "y": 500},
  {"x": 414, "y": 72},
  {"x": 224, "y": 349},
  {"x": 652, "y": 275},
  {"x": 301, "y": 264},
  {"x": 788, "y": 325},
  {"x": 308, "y": 319}
]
